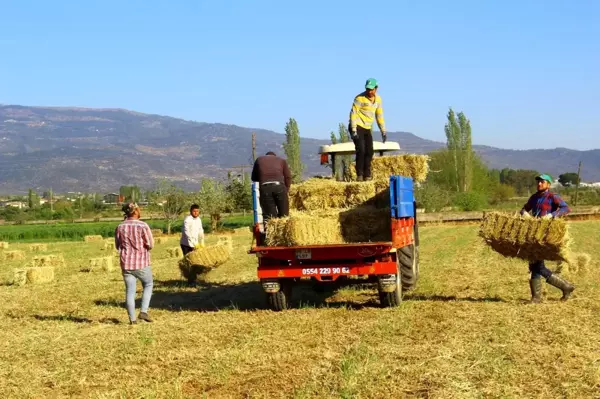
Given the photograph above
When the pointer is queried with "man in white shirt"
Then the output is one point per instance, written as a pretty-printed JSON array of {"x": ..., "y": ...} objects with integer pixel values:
[{"x": 192, "y": 233}]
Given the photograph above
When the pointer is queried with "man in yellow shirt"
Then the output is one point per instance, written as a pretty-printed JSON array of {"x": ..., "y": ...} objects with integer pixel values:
[{"x": 366, "y": 109}]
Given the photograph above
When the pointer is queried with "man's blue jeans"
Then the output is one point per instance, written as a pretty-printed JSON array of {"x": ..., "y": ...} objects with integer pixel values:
[
  {"x": 130, "y": 277},
  {"x": 538, "y": 269}
]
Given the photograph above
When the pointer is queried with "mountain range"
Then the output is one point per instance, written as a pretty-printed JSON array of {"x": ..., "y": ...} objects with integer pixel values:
[{"x": 83, "y": 149}]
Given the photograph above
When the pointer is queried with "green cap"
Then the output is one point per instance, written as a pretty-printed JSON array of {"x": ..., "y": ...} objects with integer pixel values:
[
  {"x": 544, "y": 176},
  {"x": 371, "y": 83}
]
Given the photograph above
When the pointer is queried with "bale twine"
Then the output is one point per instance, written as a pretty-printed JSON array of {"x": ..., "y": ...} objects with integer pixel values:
[
  {"x": 104, "y": 264},
  {"x": 40, "y": 275},
  {"x": 409, "y": 165},
  {"x": 201, "y": 260},
  {"x": 3, "y": 245},
  {"x": 13, "y": 255},
  {"x": 526, "y": 238},
  {"x": 19, "y": 277},
  {"x": 48, "y": 260},
  {"x": 38, "y": 247},
  {"x": 175, "y": 252},
  {"x": 93, "y": 238}
]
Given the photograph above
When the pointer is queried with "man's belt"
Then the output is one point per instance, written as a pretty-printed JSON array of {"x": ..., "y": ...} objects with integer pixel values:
[{"x": 270, "y": 182}]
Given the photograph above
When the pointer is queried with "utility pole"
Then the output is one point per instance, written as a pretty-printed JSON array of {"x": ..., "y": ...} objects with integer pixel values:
[
  {"x": 253, "y": 147},
  {"x": 578, "y": 181}
]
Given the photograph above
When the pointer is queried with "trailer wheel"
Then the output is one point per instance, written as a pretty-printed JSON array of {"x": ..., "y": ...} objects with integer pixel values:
[
  {"x": 394, "y": 298},
  {"x": 408, "y": 263},
  {"x": 280, "y": 300}
]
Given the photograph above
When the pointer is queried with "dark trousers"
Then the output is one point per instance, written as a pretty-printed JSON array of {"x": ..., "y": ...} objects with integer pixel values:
[
  {"x": 538, "y": 269},
  {"x": 364, "y": 151},
  {"x": 185, "y": 249},
  {"x": 274, "y": 201}
]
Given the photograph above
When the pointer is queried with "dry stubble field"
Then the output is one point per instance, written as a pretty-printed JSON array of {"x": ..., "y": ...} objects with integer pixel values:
[{"x": 465, "y": 332}]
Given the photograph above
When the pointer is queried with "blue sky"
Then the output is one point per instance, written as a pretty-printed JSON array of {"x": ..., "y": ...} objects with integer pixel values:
[{"x": 527, "y": 73}]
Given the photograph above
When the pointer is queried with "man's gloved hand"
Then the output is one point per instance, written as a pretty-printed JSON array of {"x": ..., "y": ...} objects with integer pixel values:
[
  {"x": 383, "y": 137},
  {"x": 354, "y": 136},
  {"x": 548, "y": 216}
]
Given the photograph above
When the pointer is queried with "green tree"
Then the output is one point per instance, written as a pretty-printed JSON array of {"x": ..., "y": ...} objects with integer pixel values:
[
  {"x": 459, "y": 143},
  {"x": 568, "y": 179},
  {"x": 130, "y": 193},
  {"x": 239, "y": 191},
  {"x": 213, "y": 200},
  {"x": 292, "y": 150},
  {"x": 33, "y": 200},
  {"x": 174, "y": 202}
]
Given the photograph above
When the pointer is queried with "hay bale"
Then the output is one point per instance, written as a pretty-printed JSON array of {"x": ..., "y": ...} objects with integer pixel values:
[
  {"x": 156, "y": 232},
  {"x": 320, "y": 194},
  {"x": 19, "y": 277},
  {"x": 38, "y": 247},
  {"x": 104, "y": 264},
  {"x": 201, "y": 260},
  {"x": 526, "y": 238},
  {"x": 175, "y": 252},
  {"x": 109, "y": 246},
  {"x": 92, "y": 238},
  {"x": 40, "y": 275},
  {"x": 226, "y": 241},
  {"x": 3, "y": 245},
  {"x": 161, "y": 240},
  {"x": 48, "y": 260},
  {"x": 409, "y": 165},
  {"x": 13, "y": 255},
  {"x": 334, "y": 226}
]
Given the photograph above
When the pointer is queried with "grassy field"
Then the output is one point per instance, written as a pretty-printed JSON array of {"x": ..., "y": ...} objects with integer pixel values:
[{"x": 465, "y": 332}]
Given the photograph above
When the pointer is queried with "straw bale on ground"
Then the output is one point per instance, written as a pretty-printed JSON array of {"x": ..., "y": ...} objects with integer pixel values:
[
  {"x": 334, "y": 226},
  {"x": 19, "y": 277},
  {"x": 201, "y": 260},
  {"x": 13, "y": 255},
  {"x": 409, "y": 165},
  {"x": 92, "y": 238},
  {"x": 175, "y": 252},
  {"x": 38, "y": 247},
  {"x": 48, "y": 260},
  {"x": 320, "y": 194},
  {"x": 109, "y": 245},
  {"x": 526, "y": 238},
  {"x": 3, "y": 245},
  {"x": 161, "y": 240},
  {"x": 104, "y": 264},
  {"x": 156, "y": 232},
  {"x": 40, "y": 275}
]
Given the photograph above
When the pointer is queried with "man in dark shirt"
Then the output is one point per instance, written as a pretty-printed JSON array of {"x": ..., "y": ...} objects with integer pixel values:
[
  {"x": 275, "y": 178},
  {"x": 546, "y": 205}
]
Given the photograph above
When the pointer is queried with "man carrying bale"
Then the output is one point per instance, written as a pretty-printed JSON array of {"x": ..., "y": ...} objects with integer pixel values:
[
  {"x": 545, "y": 204},
  {"x": 366, "y": 108},
  {"x": 274, "y": 177},
  {"x": 192, "y": 234},
  {"x": 133, "y": 240}
]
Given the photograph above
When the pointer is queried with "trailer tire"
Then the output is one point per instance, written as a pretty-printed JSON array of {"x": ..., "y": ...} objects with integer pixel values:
[
  {"x": 408, "y": 263},
  {"x": 394, "y": 298},
  {"x": 280, "y": 300}
]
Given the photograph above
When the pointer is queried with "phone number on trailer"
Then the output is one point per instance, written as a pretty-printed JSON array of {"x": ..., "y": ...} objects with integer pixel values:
[{"x": 325, "y": 270}]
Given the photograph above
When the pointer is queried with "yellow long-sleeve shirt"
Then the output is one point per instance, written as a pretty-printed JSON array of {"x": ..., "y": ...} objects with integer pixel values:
[{"x": 365, "y": 111}]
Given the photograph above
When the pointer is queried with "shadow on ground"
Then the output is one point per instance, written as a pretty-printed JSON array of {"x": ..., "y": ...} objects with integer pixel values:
[{"x": 178, "y": 295}]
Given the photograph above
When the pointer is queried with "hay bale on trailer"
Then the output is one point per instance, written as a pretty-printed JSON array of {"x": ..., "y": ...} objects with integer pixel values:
[
  {"x": 526, "y": 238},
  {"x": 201, "y": 260},
  {"x": 92, "y": 238},
  {"x": 48, "y": 260},
  {"x": 13, "y": 255},
  {"x": 40, "y": 275},
  {"x": 38, "y": 247},
  {"x": 175, "y": 252},
  {"x": 104, "y": 263},
  {"x": 409, "y": 165},
  {"x": 321, "y": 194}
]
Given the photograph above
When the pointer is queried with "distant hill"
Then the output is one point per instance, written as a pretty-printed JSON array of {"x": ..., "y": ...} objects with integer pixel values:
[{"x": 80, "y": 149}]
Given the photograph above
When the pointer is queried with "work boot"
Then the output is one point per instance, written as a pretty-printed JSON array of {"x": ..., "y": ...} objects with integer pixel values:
[
  {"x": 132, "y": 322},
  {"x": 359, "y": 178},
  {"x": 368, "y": 178},
  {"x": 563, "y": 285},
  {"x": 144, "y": 316},
  {"x": 536, "y": 290}
]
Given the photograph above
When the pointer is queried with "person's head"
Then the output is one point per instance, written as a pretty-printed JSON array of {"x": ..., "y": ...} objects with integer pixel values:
[
  {"x": 543, "y": 182},
  {"x": 195, "y": 210},
  {"x": 271, "y": 153},
  {"x": 371, "y": 87},
  {"x": 131, "y": 210}
]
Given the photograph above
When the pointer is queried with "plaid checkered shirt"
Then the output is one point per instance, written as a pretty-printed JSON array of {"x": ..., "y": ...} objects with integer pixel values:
[
  {"x": 541, "y": 204},
  {"x": 133, "y": 240}
]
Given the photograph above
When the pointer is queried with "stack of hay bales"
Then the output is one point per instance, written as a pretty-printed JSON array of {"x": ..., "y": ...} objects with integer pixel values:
[
  {"x": 104, "y": 263},
  {"x": 201, "y": 260},
  {"x": 92, "y": 238},
  {"x": 48, "y": 260},
  {"x": 325, "y": 211},
  {"x": 38, "y": 247},
  {"x": 526, "y": 238}
]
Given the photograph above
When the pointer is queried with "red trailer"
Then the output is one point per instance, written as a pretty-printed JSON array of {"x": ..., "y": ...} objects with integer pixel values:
[{"x": 392, "y": 265}]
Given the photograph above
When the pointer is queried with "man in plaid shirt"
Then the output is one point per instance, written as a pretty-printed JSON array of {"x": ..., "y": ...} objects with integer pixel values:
[
  {"x": 133, "y": 240},
  {"x": 547, "y": 205}
]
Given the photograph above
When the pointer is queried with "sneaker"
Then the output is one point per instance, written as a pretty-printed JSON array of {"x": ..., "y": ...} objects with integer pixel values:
[{"x": 145, "y": 317}]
